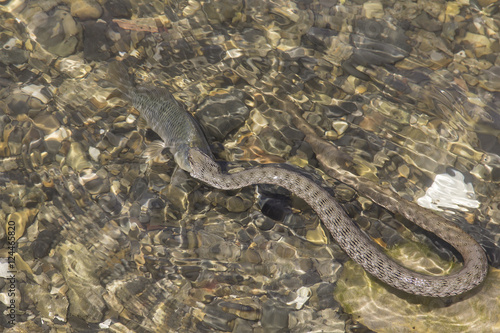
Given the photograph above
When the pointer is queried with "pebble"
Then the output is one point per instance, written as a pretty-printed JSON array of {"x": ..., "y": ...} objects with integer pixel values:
[
  {"x": 76, "y": 158},
  {"x": 85, "y": 9},
  {"x": 489, "y": 78},
  {"x": 217, "y": 319},
  {"x": 51, "y": 306},
  {"x": 95, "y": 184},
  {"x": 58, "y": 33},
  {"x": 95, "y": 41},
  {"x": 9, "y": 164},
  {"x": 222, "y": 114},
  {"x": 42, "y": 244},
  {"x": 244, "y": 308},
  {"x": 18, "y": 222},
  {"x": 85, "y": 294},
  {"x": 284, "y": 251},
  {"x": 18, "y": 104},
  {"x": 373, "y": 9},
  {"x": 11, "y": 49},
  {"x": 39, "y": 92},
  {"x": 253, "y": 257},
  {"x": 317, "y": 235},
  {"x": 242, "y": 326},
  {"x": 264, "y": 223},
  {"x": 110, "y": 203},
  {"x": 48, "y": 123},
  {"x": 222, "y": 12},
  {"x": 118, "y": 8},
  {"x": 179, "y": 189},
  {"x": 94, "y": 153},
  {"x": 453, "y": 8},
  {"x": 73, "y": 66},
  {"x": 481, "y": 45},
  {"x": 303, "y": 295},
  {"x": 449, "y": 30},
  {"x": 427, "y": 23},
  {"x": 340, "y": 127},
  {"x": 274, "y": 316},
  {"x": 239, "y": 203}
]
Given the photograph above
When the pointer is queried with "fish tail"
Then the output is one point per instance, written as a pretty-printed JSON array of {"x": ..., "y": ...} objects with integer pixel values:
[{"x": 119, "y": 76}]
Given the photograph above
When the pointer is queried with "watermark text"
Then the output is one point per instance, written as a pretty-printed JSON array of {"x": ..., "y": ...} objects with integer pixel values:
[{"x": 11, "y": 273}]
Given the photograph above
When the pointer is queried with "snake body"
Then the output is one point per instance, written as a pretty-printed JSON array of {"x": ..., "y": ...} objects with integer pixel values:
[{"x": 352, "y": 240}]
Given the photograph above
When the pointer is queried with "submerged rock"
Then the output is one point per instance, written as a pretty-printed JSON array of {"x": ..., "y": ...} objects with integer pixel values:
[
  {"x": 222, "y": 114},
  {"x": 489, "y": 79},
  {"x": 58, "y": 33},
  {"x": 95, "y": 41},
  {"x": 11, "y": 49},
  {"x": 85, "y": 9},
  {"x": 77, "y": 157}
]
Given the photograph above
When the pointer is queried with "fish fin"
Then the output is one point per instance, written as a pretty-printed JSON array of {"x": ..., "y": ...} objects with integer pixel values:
[
  {"x": 154, "y": 149},
  {"x": 142, "y": 122},
  {"x": 182, "y": 161},
  {"x": 176, "y": 169},
  {"x": 158, "y": 93},
  {"x": 119, "y": 76},
  {"x": 115, "y": 93}
]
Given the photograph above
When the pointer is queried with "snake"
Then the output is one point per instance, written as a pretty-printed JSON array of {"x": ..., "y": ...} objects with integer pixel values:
[
  {"x": 184, "y": 137},
  {"x": 348, "y": 235}
]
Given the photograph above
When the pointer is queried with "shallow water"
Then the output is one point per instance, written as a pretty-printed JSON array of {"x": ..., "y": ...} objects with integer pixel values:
[{"x": 106, "y": 240}]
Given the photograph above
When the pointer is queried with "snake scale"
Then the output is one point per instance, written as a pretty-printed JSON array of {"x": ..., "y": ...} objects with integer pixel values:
[{"x": 352, "y": 240}]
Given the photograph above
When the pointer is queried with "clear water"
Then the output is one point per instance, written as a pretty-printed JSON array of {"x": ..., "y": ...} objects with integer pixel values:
[{"x": 106, "y": 240}]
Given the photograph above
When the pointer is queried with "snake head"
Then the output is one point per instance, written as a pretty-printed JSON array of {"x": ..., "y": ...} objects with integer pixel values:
[{"x": 203, "y": 167}]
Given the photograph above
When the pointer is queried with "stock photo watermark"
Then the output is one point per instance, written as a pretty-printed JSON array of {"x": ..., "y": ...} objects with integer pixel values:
[{"x": 9, "y": 271}]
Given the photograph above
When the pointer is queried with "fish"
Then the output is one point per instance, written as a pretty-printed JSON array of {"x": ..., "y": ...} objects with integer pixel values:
[{"x": 166, "y": 116}]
